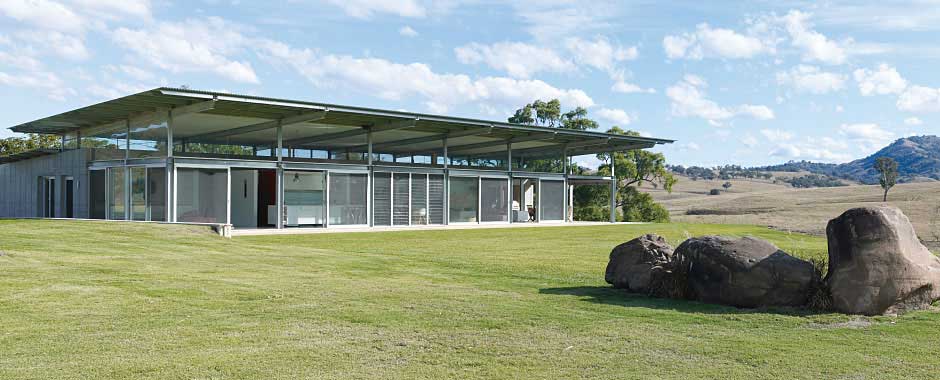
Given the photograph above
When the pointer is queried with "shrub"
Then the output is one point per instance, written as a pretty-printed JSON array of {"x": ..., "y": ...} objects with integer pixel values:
[{"x": 714, "y": 192}]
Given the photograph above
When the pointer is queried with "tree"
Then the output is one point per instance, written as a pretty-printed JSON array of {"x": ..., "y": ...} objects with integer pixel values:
[
  {"x": 632, "y": 169},
  {"x": 32, "y": 141},
  {"x": 726, "y": 185},
  {"x": 888, "y": 168}
]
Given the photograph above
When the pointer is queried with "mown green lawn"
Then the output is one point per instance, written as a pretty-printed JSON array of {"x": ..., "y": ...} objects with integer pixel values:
[{"x": 88, "y": 300}]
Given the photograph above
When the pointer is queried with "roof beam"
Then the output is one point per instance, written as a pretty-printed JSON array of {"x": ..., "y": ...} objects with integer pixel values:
[
  {"x": 425, "y": 139},
  {"x": 391, "y": 126},
  {"x": 555, "y": 150},
  {"x": 487, "y": 144},
  {"x": 289, "y": 120},
  {"x": 193, "y": 108}
]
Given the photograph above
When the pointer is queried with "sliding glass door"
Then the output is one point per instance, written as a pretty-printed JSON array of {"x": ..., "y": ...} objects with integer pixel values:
[
  {"x": 348, "y": 194},
  {"x": 304, "y": 199}
]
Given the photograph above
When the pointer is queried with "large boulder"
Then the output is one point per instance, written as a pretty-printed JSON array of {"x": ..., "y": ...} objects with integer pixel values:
[
  {"x": 747, "y": 272},
  {"x": 634, "y": 264},
  {"x": 877, "y": 265}
]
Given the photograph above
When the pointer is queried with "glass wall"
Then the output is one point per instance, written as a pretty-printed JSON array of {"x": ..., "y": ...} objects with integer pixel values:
[
  {"x": 138, "y": 193},
  {"x": 400, "y": 196},
  {"x": 148, "y": 136},
  {"x": 552, "y": 200},
  {"x": 494, "y": 200},
  {"x": 106, "y": 143},
  {"x": 201, "y": 195},
  {"x": 117, "y": 182},
  {"x": 464, "y": 201},
  {"x": 349, "y": 199},
  {"x": 304, "y": 198},
  {"x": 419, "y": 199},
  {"x": 156, "y": 194},
  {"x": 435, "y": 199}
]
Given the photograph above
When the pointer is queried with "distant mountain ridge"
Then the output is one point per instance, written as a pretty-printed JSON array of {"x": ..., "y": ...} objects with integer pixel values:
[{"x": 918, "y": 159}]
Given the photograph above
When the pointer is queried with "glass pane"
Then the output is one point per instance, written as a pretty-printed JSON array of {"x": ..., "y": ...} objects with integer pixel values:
[
  {"x": 107, "y": 143},
  {"x": 464, "y": 192},
  {"x": 348, "y": 197},
  {"x": 116, "y": 201},
  {"x": 201, "y": 195},
  {"x": 382, "y": 199},
  {"x": 419, "y": 199},
  {"x": 553, "y": 200},
  {"x": 216, "y": 136},
  {"x": 138, "y": 193},
  {"x": 494, "y": 200},
  {"x": 148, "y": 136},
  {"x": 156, "y": 193},
  {"x": 303, "y": 198},
  {"x": 98, "y": 192}
]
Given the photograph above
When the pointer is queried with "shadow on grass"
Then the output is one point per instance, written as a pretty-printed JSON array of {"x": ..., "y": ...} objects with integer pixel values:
[{"x": 612, "y": 296}]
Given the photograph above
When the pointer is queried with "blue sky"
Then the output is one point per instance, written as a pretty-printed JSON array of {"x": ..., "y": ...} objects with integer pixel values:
[{"x": 745, "y": 83}]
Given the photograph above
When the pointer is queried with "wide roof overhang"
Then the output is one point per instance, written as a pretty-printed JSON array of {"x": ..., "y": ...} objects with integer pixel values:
[{"x": 242, "y": 119}]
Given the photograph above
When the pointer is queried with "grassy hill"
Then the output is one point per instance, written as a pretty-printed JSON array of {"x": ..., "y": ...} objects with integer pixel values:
[
  {"x": 785, "y": 208},
  {"x": 109, "y": 300}
]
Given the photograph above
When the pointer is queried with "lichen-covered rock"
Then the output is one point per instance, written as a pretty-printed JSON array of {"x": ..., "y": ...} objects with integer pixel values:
[
  {"x": 747, "y": 272},
  {"x": 633, "y": 264},
  {"x": 877, "y": 265}
]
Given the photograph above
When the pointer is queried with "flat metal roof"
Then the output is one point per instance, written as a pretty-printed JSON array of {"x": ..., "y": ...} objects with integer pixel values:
[{"x": 532, "y": 140}]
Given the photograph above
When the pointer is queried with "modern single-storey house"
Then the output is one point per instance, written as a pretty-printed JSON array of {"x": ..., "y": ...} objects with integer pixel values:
[{"x": 179, "y": 155}]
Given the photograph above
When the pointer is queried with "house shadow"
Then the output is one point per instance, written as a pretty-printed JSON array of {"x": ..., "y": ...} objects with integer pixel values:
[{"x": 609, "y": 295}]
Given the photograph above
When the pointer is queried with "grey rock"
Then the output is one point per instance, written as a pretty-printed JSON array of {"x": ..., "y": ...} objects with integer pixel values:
[
  {"x": 877, "y": 265},
  {"x": 633, "y": 264},
  {"x": 747, "y": 272}
]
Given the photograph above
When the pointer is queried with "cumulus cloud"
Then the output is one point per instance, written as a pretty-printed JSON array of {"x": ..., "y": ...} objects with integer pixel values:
[
  {"x": 869, "y": 136},
  {"x": 708, "y": 42},
  {"x": 440, "y": 91},
  {"x": 407, "y": 31},
  {"x": 688, "y": 98},
  {"x": 61, "y": 44},
  {"x": 811, "y": 79},
  {"x": 776, "y": 135},
  {"x": 191, "y": 46},
  {"x": 822, "y": 149},
  {"x": 48, "y": 82},
  {"x": 519, "y": 60},
  {"x": 366, "y": 9},
  {"x": 599, "y": 53},
  {"x": 616, "y": 116},
  {"x": 814, "y": 45},
  {"x": 881, "y": 81},
  {"x": 919, "y": 99},
  {"x": 621, "y": 84},
  {"x": 46, "y": 14}
]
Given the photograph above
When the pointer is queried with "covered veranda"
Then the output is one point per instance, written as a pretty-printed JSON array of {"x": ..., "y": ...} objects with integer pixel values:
[{"x": 180, "y": 155}]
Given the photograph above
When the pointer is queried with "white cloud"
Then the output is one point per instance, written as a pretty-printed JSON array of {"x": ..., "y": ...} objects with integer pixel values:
[
  {"x": 46, "y": 14},
  {"x": 884, "y": 80},
  {"x": 517, "y": 59},
  {"x": 599, "y": 53},
  {"x": 869, "y": 136},
  {"x": 688, "y": 98},
  {"x": 913, "y": 121},
  {"x": 115, "y": 9},
  {"x": 191, "y": 46},
  {"x": 407, "y": 31},
  {"x": 49, "y": 82},
  {"x": 616, "y": 116},
  {"x": 811, "y": 79},
  {"x": 550, "y": 21},
  {"x": 919, "y": 99},
  {"x": 366, "y": 9},
  {"x": 439, "y": 91},
  {"x": 708, "y": 42},
  {"x": 814, "y": 45},
  {"x": 64, "y": 45},
  {"x": 623, "y": 86},
  {"x": 776, "y": 135},
  {"x": 820, "y": 149}
]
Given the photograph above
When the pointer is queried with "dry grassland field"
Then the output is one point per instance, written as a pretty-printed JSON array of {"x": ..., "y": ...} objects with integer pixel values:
[{"x": 779, "y": 206}]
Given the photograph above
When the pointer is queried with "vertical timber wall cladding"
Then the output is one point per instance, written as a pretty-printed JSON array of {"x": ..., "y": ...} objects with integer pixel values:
[{"x": 19, "y": 184}]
